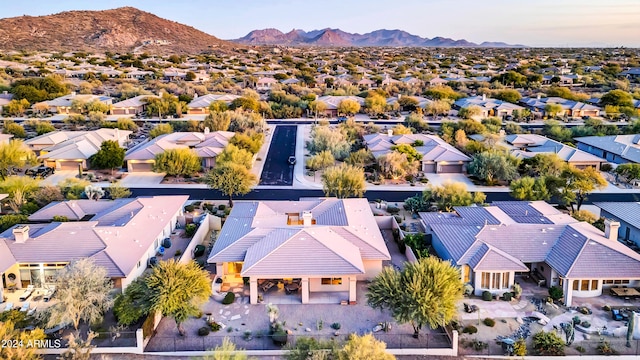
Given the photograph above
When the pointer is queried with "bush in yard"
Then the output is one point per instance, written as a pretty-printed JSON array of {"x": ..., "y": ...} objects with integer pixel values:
[
  {"x": 520, "y": 347},
  {"x": 189, "y": 208},
  {"x": 548, "y": 344},
  {"x": 489, "y": 322},
  {"x": 585, "y": 324},
  {"x": 280, "y": 338},
  {"x": 335, "y": 326},
  {"x": 204, "y": 331},
  {"x": 190, "y": 229},
  {"x": 392, "y": 210},
  {"x": 222, "y": 207},
  {"x": 487, "y": 296},
  {"x": 555, "y": 293},
  {"x": 229, "y": 298},
  {"x": 470, "y": 329},
  {"x": 215, "y": 326}
]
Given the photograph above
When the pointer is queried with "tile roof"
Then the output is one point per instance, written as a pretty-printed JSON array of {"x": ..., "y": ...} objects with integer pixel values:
[
  {"x": 206, "y": 144},
  {"x": 538, "y": 233},
  {"x": 535, "y": 144},
  {"x": 345, "y": 232},
  {"x": 135, "y": 101},
  {"x": 205, "y": 100},
  {"x": 123, "y": 230},
  {"x": 629, "y": 212},
  {"x": 433, "y": 149},
  {"x": 625, "y": 146}
]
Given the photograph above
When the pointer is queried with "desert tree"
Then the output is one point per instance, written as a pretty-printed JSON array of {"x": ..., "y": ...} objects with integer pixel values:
[
  {"x": 178, "y": 290},
  {"x": 160, "y": 129},
  {"x": 578, "y": 183},
  {"x": 364, "y": 347},
  {"x": 231, "y": 179},
  {"x": 450, "y": 194},
  {"x": 348, "y": 107},
  {"x": 320, "y": 161},
  {"x": 82, "y": 293},
  {"x": 177, "y": 162},
  {"x": 19, "y": 189},
  {"x": 236, "y": 155},
  {"x": 9, "y": 333},
  {"x": 110, "y": 156},
  {"x": 14, "y": 154},
  {"x": 117, "y": 191},
  {"x": 493, "y": 166},
  {"x": 423, "y": 293},
  {"x": 528, "y": 188},
  {"x": 226, "y": 351},
  {"x": 343, "y": 181}
]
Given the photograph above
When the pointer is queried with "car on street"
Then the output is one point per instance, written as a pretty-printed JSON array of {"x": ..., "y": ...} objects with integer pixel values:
[
  {"x": 40, "y": 171},
  {"x": 291, "y": 160}
]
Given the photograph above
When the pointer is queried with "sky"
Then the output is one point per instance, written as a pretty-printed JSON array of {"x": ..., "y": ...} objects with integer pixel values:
[{"x": 557, "y": 23}]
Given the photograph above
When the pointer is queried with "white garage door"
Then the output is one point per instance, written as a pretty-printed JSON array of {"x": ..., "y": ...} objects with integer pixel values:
[
  {"x": 142, "y": 167},
  {"x": 451, "y": 168},
  {"x": 68, "y": 165}
]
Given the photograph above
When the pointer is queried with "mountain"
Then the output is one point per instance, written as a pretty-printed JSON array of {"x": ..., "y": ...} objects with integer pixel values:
[
  {"x": 122, "y": 29},
  {"x": 337, "y": 37}
]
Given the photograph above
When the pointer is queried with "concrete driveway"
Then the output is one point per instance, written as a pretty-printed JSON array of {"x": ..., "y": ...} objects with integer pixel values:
[
  {"x": 439, "y": 179},
  {"x": 137, "y": 179},
  {"x": 59, "y": 176}
]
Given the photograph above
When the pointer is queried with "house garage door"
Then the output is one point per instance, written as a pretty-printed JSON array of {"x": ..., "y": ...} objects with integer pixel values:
[
  {"x": 451, "y": 168},
  {"x": 142, "y": 167},
  {"x": 68, "y": 165},
  {"x": 429, "y": 168}
]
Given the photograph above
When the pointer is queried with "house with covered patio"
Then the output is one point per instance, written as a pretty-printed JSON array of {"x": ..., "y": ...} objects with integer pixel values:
[
  {"x": 315, "y": 245},
  {"x": 510, "y": 241}
]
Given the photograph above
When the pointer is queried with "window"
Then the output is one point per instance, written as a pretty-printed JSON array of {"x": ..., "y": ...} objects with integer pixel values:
[
  {"x": 616, "y": 282},
  {"x": 575, "y": 284},
  {"x": 486, "y": 278},
  {"x": 497, "y": 280},
  {"x": 594, "y": 284},
  {"x": 331, "y": 281},
  {"x": 584, "y": 285}
]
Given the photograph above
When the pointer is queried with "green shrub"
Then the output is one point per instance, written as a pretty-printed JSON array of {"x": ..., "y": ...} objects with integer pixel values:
[
  {"x": 605, "y": 348},
  {"x": 204, "y": 331},
  {"x": 580, "y": 349},
  {"x": 585, "y": 324},
  {"x": 606, "y": 167},
  {"x": 520, "y": 347},
  {"x": 336, "y": 326},
  {"x": 280, "y": 338},
  {"x": 222, "y": 207},
  {"x": 507, "y": 296},
  {"x": 548, "y": 344},
  {"x": 487, "y": 296},
  {"x": 190, "y": 229},
  {"x": 576, "y": 320},
  {"x": 178, "y": 252},
  {"x": 489, "y": 322},
  {"x": 470, "y": 329},
  {"x": 555, "y": 293},
  {"x": 393, "y": 210},
  {"x": 606, "y": 308},
  {"x": 189, "y": 208},
  {"x": 215, "y": 326},
  {"x": 478, "y": 345},
  {"x": 229, "y": 298}
]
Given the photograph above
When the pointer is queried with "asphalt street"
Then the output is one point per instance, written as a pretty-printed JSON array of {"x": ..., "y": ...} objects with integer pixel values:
[
  {"x": 276, "y": 170},
  {"x": 287, "y": 193}
]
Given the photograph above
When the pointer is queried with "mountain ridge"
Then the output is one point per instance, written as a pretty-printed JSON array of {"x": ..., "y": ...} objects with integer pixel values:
[
  {"x": 120, "y": 29},
  {"x": 337, "y": 37}
]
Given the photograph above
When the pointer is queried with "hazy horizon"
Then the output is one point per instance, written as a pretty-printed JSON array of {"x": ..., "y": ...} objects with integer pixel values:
[{"x": 545, "y": 23}]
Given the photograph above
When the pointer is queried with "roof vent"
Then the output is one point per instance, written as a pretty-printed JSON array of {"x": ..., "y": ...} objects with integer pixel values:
[{"x": 544, "y": 230}]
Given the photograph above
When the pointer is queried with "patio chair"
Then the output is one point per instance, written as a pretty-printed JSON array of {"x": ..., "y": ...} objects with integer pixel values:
[
  {"x": 49, "y": 294},
  {"x": 25, "y": 306},
  {"x": 8, "y": 306},
  {"x": 615, "y": 315},
  {"x": 27, "y": 292}
]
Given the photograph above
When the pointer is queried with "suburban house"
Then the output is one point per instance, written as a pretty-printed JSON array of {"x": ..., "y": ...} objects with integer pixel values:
[
  {"x": 200, "y": 104},
  {"x": 618, "y": 149},
  {"x": 489, "y": 107},
  {"x": 510, "y": 241},
  {"x": 135, "y": 73},
  {"x": 65, "y": 150},
  {"x": 628, "y": 215},
  {"x": 120, "y": 235},
  {"x": 571, "y": 108},
  {"x": 529, "y": 145},
  {"x": 422, "y": 101},
  {"x": 437, "y": 156},
  {"x": 265, "y": 83},
  {"x": 132, "y": 106},
  {"x": 5, "y": 138},
  {"x": 324, "y": 244},
  {"x": 5, "y": 98},
  {"x": 64, "y": 104},
  {"x": 207, "y": 145}
]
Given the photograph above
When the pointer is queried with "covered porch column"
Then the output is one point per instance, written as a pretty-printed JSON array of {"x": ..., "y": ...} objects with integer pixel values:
[
  {"x": 567, "y": 289},
  {"x": 352, "y": 289},
  {"x": 253, "y": 290},
  {"x": 220, "y": 269},
  {"x": 305, "y": 290}
]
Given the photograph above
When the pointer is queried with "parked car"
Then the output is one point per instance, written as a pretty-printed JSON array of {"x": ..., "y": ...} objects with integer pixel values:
[
  {"x": 291, "y": 160},
  {"x": 342, "y": 119},
  {"x": 40, "y": 171}
]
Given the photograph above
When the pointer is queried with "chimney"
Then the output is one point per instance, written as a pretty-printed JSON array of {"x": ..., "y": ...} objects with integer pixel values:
[
  {"x": 5, "y": 92},
  {"x": 21, "y": 233},
  {"x": 195, "y": 95},
  {"x": 207, "y": 130},
  {"x": 484, "y": 97},
  {"x": 306, "y": 218},
  {"x": 390, "y": 132},
  {"x": 611, "y": 229}
]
